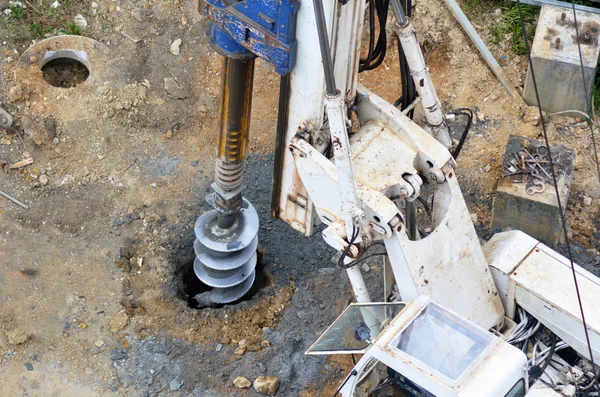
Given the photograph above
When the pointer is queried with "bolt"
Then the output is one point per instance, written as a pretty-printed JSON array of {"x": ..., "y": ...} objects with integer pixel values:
[
  {"x": 4, "y": 120},
  {"x": 557, "y": 41}
]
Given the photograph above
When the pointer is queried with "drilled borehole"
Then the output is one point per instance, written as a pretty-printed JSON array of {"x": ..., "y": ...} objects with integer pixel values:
[
  {"x": 65, "y": 72},
  {"x": 192, "y": 286}
]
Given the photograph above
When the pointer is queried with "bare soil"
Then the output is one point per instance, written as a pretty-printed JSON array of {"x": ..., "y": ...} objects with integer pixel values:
[{"x": 120, "y": 171}]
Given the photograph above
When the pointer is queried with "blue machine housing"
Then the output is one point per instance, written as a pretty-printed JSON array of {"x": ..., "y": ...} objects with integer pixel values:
[{"x": 249, "y": 28}]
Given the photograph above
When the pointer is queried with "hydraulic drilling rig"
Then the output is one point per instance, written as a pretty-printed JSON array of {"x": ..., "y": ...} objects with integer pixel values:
[{"x": 348, "y": 159}]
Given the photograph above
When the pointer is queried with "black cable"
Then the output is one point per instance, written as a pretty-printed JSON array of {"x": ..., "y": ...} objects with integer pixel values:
[
  {"x": 361, "y": 257},
  {"x": 554, "y": 179},
  {"x": 463, "y": 112},
  {"x": 355, "y": 232},
  {"x": 376, "y": 54},
  {"x": 367, "y": 60},
  {"x": 548, "y": 360}
]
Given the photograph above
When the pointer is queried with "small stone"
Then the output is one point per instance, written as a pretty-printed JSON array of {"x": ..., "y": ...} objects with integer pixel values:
[
  {"x": 241, "y": 383},
  {"x": 139, "y": 14},
  {"x": 119, "y": 321},
  {"x": 33, "y": 59},
  {"x": 29, "y": 366},
  {"x": 44, "y": 180},
  {"x": 174, "y": 89},
  {"x": 4, "y": 141},
  {"x": 17, "y": 337},
  {"x": 219, "y": 347},
  {"x": 195, "y": 163},
  {"x": 531, "y": 115},
  {"x": 266, "y": 385},
  {"x": 365, "y": 268},
  {"x": 175, "y": 384},
  {"x": 202, "y": 109},
  {"x": 300, "y": 315},
  {"x": 587, "y": 200},
  {"x": 175, "y": 47},
  {"x": 487, "y": 168},
  {"x": 118, "y": 354},
  {"x": 99, "y": 343},
  {"x": 169, "y": 134},
  {"x": 80, "y": 21},
  {"x": 327, "y": 271},
  {"x": 474, "y": 218},
  {"x": 241, "y": 349}
]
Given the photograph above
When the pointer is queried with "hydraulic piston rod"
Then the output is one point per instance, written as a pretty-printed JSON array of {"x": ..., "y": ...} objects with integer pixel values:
[{"x": 420, "y": 74}]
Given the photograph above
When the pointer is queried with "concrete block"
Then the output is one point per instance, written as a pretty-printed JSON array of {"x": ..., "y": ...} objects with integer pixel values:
[
  {"x": 535, "y": 214},
  {"x": 555, "y": 59}
]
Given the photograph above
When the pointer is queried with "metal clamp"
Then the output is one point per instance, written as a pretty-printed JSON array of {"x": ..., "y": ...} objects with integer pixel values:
[{"x": 251, "y": 28}]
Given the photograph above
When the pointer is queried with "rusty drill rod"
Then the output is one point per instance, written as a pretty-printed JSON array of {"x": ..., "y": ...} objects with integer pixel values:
[{"x": 236, "y": 104}]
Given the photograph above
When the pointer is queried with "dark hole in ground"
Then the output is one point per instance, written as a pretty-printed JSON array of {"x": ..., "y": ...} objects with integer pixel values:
[
  {"x": 192, "y": 286},
  {"x": 65, "y": 72}
]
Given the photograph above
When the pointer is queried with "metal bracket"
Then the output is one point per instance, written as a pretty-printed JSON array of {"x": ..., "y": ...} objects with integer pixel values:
[
  {"x": 6, "y": 119},
  {"x": 264, "y": 28}
]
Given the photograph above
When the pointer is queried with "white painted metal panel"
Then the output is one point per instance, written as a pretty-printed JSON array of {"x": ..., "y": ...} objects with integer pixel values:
[
  {"x": 545, "y": 288},
  {"x": 540, "y": 280}
]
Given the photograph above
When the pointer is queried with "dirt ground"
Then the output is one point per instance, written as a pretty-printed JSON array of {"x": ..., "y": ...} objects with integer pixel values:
[{"x": 96, "y": 271}]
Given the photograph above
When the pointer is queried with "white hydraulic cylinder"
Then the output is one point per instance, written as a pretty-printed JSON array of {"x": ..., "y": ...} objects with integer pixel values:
[
  {"x": 343, "y": 162},
  {"x": 420, "y": 74}
]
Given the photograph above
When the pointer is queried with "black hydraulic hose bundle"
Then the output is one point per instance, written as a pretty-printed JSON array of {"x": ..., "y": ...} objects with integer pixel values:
[{"x": 377, "y": 49}]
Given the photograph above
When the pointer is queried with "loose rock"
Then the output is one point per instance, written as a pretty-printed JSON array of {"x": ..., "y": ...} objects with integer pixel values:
[
  {"x": 17, "y": 337},
  {"x": 80, "y": 21},
  {"x": 44, "y": 180},
  {"x": 241, "y": 383},
  {"x": 119, "y": 321},
  {"x": 99, "y": 343},
  {"x": 587, "y": 200},
  {"x": 175, "y": 47},
  {"x": 531, "y": 115},
  {"x": 140, "y": 14},
  {"x": 175, "y": 384},
  {"x": 173, "y": 89},
  {"x": 266, "y": 385}
]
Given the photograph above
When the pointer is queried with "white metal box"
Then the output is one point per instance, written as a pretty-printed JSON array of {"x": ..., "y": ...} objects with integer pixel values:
[
  {"x": 531, "y": 275},
  {"x": 555, "y": 58}
]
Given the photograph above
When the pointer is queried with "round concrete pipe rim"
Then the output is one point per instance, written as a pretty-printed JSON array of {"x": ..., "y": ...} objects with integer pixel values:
[
  {"x": 228, "y": 295},
  {"x": 76, "y": 55},
  {"x": 225, "y": 279},
  {"x": 224, "y": 260}
]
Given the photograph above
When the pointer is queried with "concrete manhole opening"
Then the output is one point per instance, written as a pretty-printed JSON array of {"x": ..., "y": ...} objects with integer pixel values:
[
  {"x": 197, "y": 294},
  {"x": 65, "y": 68}
]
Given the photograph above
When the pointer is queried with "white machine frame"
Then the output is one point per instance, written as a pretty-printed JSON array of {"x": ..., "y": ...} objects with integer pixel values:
[{"x": 387, "y": 161}]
